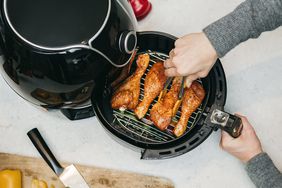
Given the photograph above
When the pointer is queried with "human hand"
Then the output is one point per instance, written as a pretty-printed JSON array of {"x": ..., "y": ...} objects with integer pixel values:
[
  {"x": 246, "y": 146},
  {"x": 193, "y": 56}
]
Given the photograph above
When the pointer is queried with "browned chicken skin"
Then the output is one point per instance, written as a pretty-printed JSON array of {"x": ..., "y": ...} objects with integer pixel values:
[
  {"x": 123, "y": 73},
  {"x": 162, "y": 112},
  {"x": 154, "y": 83},
  {"x": 127, "y": 95},
  {"x": 192, "y": 99}
]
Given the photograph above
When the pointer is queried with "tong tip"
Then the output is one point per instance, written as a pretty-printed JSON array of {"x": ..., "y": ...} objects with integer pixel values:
[{"x": 180, "y": 94}]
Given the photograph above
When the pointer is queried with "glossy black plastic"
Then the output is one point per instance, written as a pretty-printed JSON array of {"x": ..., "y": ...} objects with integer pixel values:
[
  {"x": 61, "y": 78},
  {"x": 55, "y": 23},
  {"x": 41, "y": 146}
]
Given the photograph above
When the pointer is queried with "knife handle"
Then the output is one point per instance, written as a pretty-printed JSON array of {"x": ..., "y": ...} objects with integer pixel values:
[{"x": 37, "y": 140}]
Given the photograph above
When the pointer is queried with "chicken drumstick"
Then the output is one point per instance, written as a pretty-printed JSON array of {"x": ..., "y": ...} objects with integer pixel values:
[
  {"x": 162, "y": 112},
  {"x": 154, "y": 83},
  {"x": 127, "y": 95},
  {"x": 192, "y": 99}
]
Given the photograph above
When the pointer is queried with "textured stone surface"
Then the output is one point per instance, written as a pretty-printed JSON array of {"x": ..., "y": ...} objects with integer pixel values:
[{"x": 253, "y": 72}]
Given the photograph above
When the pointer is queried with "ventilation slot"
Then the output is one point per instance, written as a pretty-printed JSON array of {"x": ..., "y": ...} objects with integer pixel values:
[
  {"x": 218, "y": 71},
  {"x": 180, "y": 149},
  {"x": 220, "y": 86},
  {"x": 165, "y": 153},
  {"x": 194, "y": 141}
]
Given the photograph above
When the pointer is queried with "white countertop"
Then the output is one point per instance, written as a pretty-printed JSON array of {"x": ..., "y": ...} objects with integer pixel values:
[{"x": 253, "y": 72}]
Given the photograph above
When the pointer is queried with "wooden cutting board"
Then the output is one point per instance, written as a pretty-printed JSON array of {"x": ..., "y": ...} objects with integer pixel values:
[{"x": 96, "y": 177}]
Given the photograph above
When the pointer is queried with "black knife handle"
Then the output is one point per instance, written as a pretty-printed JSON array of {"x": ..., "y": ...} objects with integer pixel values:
[{"x": 44, "y": 151}]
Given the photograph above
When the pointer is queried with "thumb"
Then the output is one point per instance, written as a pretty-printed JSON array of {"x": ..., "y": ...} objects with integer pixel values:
[
  {"x": 225, "y": 137},
  {"x": 225, "y": 140},
  {"x": 189, "y": 79},
  {"x": 188, "y": 82}
]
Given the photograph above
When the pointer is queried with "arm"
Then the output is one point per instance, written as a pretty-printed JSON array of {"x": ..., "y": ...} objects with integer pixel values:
[
  {"x": 196, "y": 53},
  {"x": 247, "y": 148},
  {"x": 248, "y": 20},
  {"x": 263, "y": 172}
]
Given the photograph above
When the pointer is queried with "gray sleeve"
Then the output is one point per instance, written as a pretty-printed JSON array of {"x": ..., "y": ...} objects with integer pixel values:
[
  {"x": 263, "y": 173},
  {"x": 248, "y": 20}
]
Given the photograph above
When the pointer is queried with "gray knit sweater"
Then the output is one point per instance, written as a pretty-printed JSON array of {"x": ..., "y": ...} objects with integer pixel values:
[
  {"x": 263, "y": 173},
  {"x": 249, "y": 20}
]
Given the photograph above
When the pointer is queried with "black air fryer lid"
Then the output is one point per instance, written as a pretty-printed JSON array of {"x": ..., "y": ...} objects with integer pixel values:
[{"x": 56, "y": 23}]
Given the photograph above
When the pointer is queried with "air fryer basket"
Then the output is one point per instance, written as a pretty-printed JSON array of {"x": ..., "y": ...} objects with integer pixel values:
[{"x": 155, "y": 144}]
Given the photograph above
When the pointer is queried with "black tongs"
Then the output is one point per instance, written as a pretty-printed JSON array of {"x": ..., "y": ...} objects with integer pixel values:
[
  {"x": 180, "y": 94},
  {"x": 164, "y": 91},
  {"x": 180, "y": 97}
]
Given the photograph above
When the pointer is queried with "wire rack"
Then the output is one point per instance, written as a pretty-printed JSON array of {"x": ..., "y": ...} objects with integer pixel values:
[{"x": 144, "y": 129}]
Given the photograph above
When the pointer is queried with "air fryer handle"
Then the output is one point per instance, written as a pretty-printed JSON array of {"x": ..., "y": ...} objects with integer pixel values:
[
  {"x": 229, "y": 123},
  {"x": 44, "y": 151},
  {"x": 234, "y": 126}
]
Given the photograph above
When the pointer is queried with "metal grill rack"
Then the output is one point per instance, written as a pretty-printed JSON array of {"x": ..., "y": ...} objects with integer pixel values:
[{"x": 144, "y": 129}]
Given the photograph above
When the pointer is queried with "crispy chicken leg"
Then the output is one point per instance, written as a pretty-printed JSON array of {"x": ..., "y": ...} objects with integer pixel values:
[
  {"x": 127, "y": 95},
  {"x": 162, "y": 112},
  {"x": 124, "y": 72},
  {"x": 192, "y": 99},
  {"x": 154, "y": 83}
]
